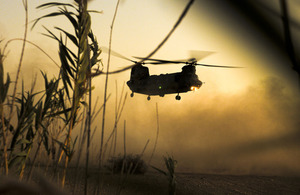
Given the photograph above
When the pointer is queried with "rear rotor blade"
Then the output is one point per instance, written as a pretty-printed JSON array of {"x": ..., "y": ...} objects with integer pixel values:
[
  {"x": 217, "y": 66},
  {"x": 199, "y": 55},
  {"x": 159, "y": 61}
]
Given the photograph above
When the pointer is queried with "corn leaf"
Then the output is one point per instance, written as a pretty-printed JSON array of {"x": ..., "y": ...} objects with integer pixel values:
[
  {"x": 52, "y": 4},
  {"x": 46, "y": 140},
  {"x": 49, "y": 15},
  {"x": 70, "y": 36}
]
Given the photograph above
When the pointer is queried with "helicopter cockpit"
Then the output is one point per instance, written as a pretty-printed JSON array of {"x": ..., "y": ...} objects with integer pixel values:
[{"x": 139, "y": 72}]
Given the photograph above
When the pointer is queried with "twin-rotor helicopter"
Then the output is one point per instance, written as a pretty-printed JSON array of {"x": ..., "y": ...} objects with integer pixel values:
[{"x": 172, "y": 83}]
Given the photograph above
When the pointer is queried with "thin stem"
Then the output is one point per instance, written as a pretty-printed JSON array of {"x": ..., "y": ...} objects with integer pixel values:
[
  {"x": 89, "y": 116},
  {"x": 105, "y": 94},
  {"x": 141, "y": 155},
  {"x": 20, "y": 61},
  {"x": 163, "y": 41},
  {"x": 106, "y": 82},
  {"x": 116, "y": 117},
  {"x": 173, "y": 29},
  {"x": 124, "y": 139},
  {"x": 38, "y": 47},
  {"x": 157, "y": 133}
]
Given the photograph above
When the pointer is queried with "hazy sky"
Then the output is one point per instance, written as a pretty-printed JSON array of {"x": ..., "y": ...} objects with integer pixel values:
[{"x": 240, "y": 121}]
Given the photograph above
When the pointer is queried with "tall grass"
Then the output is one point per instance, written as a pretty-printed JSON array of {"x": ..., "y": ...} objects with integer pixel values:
[{"x": 5, "y": 88}]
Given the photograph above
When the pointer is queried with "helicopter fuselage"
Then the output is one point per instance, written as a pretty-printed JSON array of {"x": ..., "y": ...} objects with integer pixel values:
[{"x": 162, "y": 84}]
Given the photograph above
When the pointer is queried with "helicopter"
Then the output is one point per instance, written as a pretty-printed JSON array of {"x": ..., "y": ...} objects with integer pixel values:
[{"x": 171, "y": 83}]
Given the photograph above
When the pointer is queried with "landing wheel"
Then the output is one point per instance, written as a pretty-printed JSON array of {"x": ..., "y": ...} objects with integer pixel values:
[
  {"x": 148, "y": 98},
  {"x": 178, "y": 97},
  {"x": 131, "y": 95}
]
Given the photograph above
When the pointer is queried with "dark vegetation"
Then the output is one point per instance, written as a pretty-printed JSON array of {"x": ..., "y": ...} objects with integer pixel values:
[
  {"x": 170, "y": 163},
  {"x": 127, "y": 164}
]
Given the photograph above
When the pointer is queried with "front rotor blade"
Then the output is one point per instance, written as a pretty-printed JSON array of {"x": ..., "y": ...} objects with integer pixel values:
[
  {"x": 157, "y": 63},
  {"x": 116, "y": 54},
  {"x": 217, "y": 66}
]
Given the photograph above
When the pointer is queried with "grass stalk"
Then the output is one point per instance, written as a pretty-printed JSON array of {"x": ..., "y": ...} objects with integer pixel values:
[
  {"x": 38, "y": 150},
  {"x": 105, "y": 94},
  {"x": 95, "y": 114},
  {"x": 157, "y": 133},
  {"x": 21, "y": 175},
  {"x": 124, "y": 139},
  {"x": 34, "y": 160},
  {"x": 120, "y": 111},
  {"x": 141, "y": 155},
  {"x": 89, "y": 118},
  {"x": 172, "y": 30},
  {"x": 116, "y": 118},
  {"x": 188, "y": 6},
  {"x": 124, "y": 142},
  {"x": 35, "y": 45},
  {"x": 80, "y": 148},
  {"x": 106, "y": 83},
  {"x": 25, "y": 4}
]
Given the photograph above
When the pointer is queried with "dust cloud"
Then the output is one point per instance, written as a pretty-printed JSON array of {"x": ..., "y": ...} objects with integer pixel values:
[{"x": 252, "y": 132}]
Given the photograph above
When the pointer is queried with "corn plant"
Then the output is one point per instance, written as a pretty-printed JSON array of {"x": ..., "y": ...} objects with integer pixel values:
[{"x": 75, "y": 66}]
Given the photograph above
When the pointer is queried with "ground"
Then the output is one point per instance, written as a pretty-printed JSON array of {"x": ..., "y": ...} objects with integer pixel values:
[
  {"x": 155, "y": 183},
  {"x": 189, "y": 183}
]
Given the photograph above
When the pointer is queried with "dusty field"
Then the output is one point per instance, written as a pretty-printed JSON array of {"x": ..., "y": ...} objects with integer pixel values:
[{"x": 155, "y": 183}]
